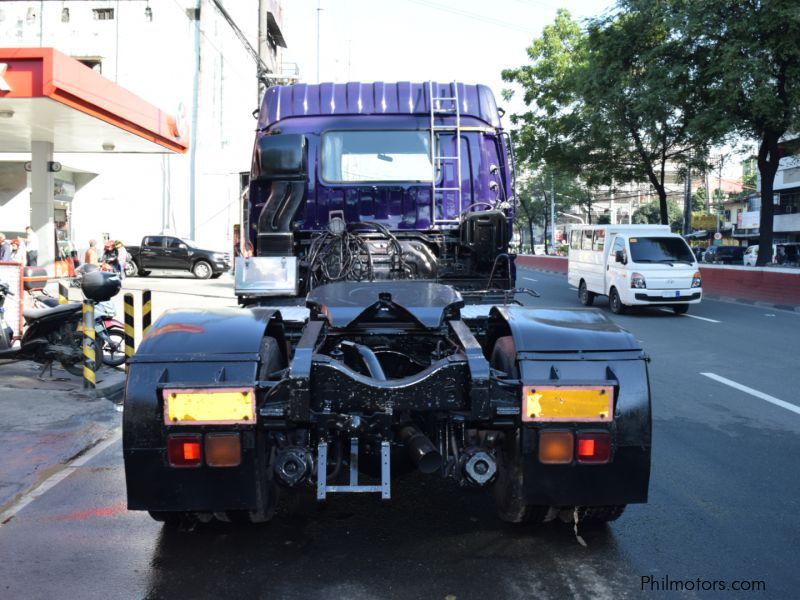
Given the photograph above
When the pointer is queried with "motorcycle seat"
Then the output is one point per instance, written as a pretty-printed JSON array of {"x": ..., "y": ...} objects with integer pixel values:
[{"x": 34, "y": 314}]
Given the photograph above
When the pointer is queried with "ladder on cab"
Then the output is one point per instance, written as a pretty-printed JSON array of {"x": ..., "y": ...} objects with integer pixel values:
[{"x": 445, "y": 107}]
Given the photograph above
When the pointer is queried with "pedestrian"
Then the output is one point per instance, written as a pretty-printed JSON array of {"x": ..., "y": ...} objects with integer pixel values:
[
  {"x": 90, "y": 258},
  {"x": 122, "y": 258},
  {"x": 18, "y": 251},
  {"x": 5, "y": 249},
  {"x": 32, "y": 246}
]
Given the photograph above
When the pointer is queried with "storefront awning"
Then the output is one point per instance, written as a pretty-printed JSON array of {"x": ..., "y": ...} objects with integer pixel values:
[{"x": 47, "y": 96}]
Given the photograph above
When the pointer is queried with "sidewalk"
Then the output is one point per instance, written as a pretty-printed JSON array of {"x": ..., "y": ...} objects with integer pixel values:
[{"x": 46, "y": 423}]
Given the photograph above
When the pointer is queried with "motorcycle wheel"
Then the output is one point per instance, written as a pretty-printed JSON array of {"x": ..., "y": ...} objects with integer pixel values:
[
  {"x": 76, "y": 368},
  {"x": 114, "y": 347}
]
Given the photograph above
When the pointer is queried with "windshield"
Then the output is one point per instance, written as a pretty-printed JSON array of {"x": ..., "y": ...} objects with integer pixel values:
[
  {"x": 660, "y": 250},
  {"x": 376, "y": 156}
]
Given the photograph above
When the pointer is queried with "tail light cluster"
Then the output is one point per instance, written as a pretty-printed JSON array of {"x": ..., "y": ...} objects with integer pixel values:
[
  {"x": 213, "y": 449},
  {"x": 564, "y": 447}
]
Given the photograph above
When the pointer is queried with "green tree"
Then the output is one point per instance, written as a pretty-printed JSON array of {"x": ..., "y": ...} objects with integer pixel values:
[
  {"x": 748, "y": 55},
  {"x": 613, "y": 103},
  {"x": 651, "y": 213},
  {"x": 699, "y": 200}
]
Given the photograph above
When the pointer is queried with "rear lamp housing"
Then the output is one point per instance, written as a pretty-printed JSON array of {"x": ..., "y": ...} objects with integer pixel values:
[
  {"x": 223, "y": 449},
  {"x": 185, "y": 450},
  {"x": 556, "y": 447},
  {"x": 593, "y": 447}
]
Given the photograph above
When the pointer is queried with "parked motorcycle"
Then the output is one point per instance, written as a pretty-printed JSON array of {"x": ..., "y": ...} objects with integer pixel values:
[{"x": 55, "y": 333}]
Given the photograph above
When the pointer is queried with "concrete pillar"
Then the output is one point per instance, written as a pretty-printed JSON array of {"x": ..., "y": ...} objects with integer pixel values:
[{"x": 42, "y": 203}]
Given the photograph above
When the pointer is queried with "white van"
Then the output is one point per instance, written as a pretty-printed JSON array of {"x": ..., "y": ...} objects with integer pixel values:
[{"x": 634, "y": 265}]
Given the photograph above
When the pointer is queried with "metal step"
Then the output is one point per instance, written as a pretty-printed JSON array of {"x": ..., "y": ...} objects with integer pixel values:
[{"x": 385, "y": 488}]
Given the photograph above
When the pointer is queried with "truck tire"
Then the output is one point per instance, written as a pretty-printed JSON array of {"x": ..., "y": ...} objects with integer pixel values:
[
  {"x": 131, "y": 269},
  {"x": 584, "y": 295},
  {"x": 600, "y": 514},
  {"x": 680, "y": 309},
  {"x": 202, "y": 270},
  {"x": 615, "y": 302},
  {"x": 507, "y": 491}
]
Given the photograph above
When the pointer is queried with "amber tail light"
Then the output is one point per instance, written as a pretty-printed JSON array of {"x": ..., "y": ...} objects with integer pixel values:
[{"x": 555, "y": 447}]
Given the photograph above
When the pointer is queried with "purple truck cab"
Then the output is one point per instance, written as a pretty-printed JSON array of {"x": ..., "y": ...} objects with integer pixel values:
[{"x": 420, "y": 173}]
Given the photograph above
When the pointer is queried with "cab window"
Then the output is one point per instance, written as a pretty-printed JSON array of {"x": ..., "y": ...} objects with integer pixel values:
[{"x": 587, "y": 240}]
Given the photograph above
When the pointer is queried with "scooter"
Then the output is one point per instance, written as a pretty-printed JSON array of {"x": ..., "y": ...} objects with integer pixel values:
[{"x": 55, "y": 333}]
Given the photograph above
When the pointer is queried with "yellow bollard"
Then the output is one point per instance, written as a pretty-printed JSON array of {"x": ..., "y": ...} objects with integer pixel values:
[
  {"x": 89, "y": 347},
  {"x": 63, "y": 293},
  {"x": 130, "y": 330},
  {"x": 147, "y": 309}
]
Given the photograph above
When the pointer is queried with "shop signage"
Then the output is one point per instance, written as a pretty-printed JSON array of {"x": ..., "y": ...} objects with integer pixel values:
[{"x": 748, "y": 220}]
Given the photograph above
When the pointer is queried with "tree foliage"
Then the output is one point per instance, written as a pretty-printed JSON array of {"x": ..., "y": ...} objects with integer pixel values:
[
  {"x": 650, "y": 213},
  {"x": 613, "y": 102},
  {"x": 748, "y": 53}
]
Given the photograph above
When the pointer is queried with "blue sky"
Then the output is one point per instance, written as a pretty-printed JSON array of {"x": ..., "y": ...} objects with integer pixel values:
[{"x": 419, "y": 40}]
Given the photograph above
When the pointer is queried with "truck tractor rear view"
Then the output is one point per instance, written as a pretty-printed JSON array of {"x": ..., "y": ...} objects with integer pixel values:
[{"x": 378, "y": 332}]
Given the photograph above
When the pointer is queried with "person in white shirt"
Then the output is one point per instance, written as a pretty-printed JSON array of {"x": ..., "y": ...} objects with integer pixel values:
[{"x": 32, "y": 246}]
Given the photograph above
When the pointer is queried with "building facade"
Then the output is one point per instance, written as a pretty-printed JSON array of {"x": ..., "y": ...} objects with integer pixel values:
[{"x": 185, "y": 56}]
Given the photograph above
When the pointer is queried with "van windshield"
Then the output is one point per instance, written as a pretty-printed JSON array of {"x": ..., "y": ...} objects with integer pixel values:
[{"x": 660, "y": 250}]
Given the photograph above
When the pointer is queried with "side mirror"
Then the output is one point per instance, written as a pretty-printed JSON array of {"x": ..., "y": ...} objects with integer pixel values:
[
  {"x": 619, "y": 256},
  {"x": 282, "y": 156}
]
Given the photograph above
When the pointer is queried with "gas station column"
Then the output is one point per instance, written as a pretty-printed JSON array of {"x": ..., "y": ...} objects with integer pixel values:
[{"x": 42, "y": 206}]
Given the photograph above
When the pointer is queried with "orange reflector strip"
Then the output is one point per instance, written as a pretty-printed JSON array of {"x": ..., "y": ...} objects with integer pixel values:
[
  {"x": 223, "y": 450},
  {"x": 555, "y": 447}
]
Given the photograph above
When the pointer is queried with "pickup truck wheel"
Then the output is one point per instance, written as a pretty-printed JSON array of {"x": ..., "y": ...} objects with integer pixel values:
[
  {"x": 508, "y": 490},
  {"x": 584, "y": 295},
  {"x": 615, "y": 302},
  {"x": 131, "y": 269},
  {"x": 202, "y": 270},
  {"x": 680, "y": 309}
]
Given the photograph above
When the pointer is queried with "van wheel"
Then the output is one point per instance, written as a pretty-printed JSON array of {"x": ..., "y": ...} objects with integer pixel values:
[
  {"x": 680, "y": 309},
  {"x": 584, "y": 295},
  {"x": 615, "y": 302}
]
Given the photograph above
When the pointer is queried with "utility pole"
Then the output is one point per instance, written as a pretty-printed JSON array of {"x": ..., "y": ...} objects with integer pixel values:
[
  {"x": 687, "y": 207},
  {"x": 319, "y": 10}
]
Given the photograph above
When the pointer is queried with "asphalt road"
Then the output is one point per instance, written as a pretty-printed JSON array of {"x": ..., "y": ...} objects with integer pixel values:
[{"x": 724, "y": 503}]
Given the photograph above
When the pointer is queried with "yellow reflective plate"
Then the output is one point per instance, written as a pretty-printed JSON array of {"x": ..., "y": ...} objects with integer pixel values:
[
  {"x": 220, "y": 406},
  {"x": 574, "y": 403}
]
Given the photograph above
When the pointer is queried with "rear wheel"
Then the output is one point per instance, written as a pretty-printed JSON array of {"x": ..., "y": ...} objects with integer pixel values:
[
  {"x": 600, "y": 514},
  {"x": 680, "y": 309},
  {"x": 508, "y": 490},
  {"x": 131, "y": 269},
  {"x": 584, "y": 295},
  {"x": 615, "y": 302},
  {"x": 76, "y": 367},
  {"x": 114, "y": 347},
  {"x": 202, "y": 270}
]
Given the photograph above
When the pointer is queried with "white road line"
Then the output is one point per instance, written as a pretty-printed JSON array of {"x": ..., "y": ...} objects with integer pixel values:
[
  {"x": 58, "y": 477},
  {"x": 747, "y": 390},
  {"x": 669, "y": 310},
  {"x": 530, "y": 278}
]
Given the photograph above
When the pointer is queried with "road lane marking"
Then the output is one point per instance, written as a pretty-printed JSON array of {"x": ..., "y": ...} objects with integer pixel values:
[
  {"x": 748, "y": 390},
  {"x": 669, "y": 310},
  {"x": 530, "y": 279},
  {"x": 58, "y": 477}
]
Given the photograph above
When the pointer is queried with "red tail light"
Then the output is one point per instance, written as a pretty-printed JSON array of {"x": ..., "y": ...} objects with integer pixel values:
[
  {"x": 185, "y": 450},
  {"x": 594, "y": 447}
]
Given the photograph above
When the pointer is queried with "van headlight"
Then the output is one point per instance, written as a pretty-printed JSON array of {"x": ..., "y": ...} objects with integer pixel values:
[
  {"x": 697, "y": 280},
  {"x": 637, "y": 281}
]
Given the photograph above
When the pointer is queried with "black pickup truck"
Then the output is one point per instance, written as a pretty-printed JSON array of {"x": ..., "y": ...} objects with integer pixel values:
[{"x": 168, "y": 252}]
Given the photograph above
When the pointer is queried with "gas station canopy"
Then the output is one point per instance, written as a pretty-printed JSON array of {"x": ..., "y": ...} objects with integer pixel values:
[{"x": 47, "y": 96}]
